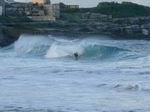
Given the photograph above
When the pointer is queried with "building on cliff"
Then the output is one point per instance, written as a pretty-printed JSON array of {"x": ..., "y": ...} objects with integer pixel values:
[
  {"x": 41, "y": 1},
  {"x": 37, "y": 10},
  {"x": 17, "y": 9},
  {"x": 59, "y": 8},
  {"x": 46, "y": 14},
  {"x": 56, "y": 10}
]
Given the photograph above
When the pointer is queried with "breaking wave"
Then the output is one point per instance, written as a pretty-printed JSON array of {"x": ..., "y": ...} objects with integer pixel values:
[
  {"x": 30, "y": 44},
  {"x": 52, "y": 47}
]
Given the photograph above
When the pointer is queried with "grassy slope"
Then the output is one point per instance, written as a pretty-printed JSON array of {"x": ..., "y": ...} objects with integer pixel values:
[{"x": 124, "y": 9}]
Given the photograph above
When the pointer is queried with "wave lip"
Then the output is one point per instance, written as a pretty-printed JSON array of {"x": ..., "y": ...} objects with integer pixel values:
[{"x": 52, "y": 47}]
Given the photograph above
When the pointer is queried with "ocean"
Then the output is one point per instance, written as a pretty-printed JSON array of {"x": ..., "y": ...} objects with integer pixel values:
[{"x": 39, "y": 73}]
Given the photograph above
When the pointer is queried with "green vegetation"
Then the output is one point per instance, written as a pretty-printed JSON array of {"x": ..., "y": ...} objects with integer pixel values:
[
  {"x": 71, "y": 10},
  {"x": 117, "y": 10},
  {"x": 125, "y": 9},
  {"x": 71, "y": 17}
]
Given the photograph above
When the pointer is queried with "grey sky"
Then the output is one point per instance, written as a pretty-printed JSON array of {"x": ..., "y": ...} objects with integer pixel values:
[{"x": 91, "y": 3}]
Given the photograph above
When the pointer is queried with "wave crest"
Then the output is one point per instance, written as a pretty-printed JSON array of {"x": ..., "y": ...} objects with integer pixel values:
[{"x": 52, "y": 47}]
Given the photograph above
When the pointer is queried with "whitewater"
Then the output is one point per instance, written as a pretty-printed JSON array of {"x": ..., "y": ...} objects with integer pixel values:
[{"x": 39, "y": 73}]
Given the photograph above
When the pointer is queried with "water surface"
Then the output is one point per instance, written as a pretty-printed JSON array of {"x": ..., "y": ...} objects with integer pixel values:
[{"x": 40, "y": 74}]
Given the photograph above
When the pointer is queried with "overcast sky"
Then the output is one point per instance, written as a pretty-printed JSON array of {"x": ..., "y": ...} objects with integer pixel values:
[{"x": 91, "y": 3}]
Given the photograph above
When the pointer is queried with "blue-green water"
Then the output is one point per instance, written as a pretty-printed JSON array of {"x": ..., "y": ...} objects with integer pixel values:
[{"x": 40, "y": 74}]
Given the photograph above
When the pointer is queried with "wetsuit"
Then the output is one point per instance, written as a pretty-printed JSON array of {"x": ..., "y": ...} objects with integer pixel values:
[{"x": 76, "y": 56}]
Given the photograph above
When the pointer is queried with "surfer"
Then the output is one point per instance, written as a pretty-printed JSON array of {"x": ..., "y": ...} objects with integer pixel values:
[{"x": 76, "y": 55}]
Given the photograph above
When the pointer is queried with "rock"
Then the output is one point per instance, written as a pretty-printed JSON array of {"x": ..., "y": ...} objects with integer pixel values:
[{"x": 122, "y": 28}]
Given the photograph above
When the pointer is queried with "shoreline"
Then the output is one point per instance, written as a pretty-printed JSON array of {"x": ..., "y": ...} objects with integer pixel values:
[{"x": 11, "y": 32}]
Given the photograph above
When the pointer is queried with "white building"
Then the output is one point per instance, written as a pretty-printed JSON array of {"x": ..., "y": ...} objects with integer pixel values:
[
  {"x": 56, "y": 10},
  {"x": 2, "y": 7},
  {"x": 1, "y": 10}
]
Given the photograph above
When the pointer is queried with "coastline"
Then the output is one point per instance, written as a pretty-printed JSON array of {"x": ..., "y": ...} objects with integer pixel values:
[{"x": 10, "y": 32}]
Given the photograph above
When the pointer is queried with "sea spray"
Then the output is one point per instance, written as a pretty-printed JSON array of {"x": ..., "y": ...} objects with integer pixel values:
[{"x": 32, "y": 44}]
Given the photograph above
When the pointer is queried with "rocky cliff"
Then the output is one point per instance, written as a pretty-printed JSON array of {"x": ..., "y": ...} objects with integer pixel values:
[{"x": 120, "y": 28}]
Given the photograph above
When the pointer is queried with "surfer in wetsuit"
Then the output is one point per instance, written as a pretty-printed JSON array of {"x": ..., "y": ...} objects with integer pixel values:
[{"x": 76, "y": 55}]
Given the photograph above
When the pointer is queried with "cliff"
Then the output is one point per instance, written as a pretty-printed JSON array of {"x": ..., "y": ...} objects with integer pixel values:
[{"x": 120, "y": 28}]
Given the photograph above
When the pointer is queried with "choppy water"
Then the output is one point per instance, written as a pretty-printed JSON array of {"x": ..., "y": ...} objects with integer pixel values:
[{"x": 40, "y": 74}]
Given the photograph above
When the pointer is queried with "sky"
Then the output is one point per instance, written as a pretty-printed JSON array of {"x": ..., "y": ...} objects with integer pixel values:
[{"x": 92, "y": 3}]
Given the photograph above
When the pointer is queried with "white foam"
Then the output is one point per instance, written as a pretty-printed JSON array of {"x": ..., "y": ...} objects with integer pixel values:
[
  {"x": 57, "y": 50},
  {"x": 32, "y": 44}
]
